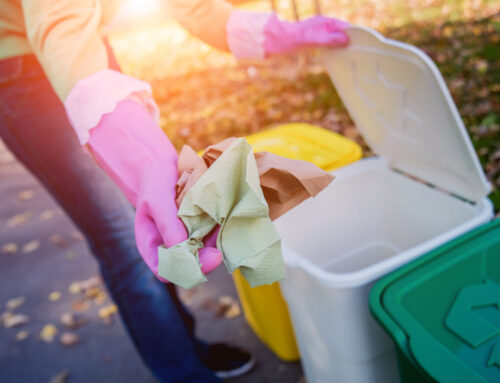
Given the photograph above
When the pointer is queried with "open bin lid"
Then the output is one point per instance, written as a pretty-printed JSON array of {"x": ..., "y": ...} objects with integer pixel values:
[
  {"x": 399, "y": 101},
  {"x": 443, "y": 310}
]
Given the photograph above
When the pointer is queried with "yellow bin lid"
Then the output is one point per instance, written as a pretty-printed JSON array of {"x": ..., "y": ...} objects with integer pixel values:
[{"x": 300, "y": 141}]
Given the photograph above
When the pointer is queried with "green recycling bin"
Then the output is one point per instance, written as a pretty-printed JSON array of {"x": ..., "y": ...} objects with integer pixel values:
[{"x": 443, "y": 311}]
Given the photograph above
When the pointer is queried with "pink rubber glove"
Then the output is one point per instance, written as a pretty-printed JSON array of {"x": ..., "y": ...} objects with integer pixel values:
[
  {"x": 129, "y": 145},
  {"x": 253, "y": 35}
]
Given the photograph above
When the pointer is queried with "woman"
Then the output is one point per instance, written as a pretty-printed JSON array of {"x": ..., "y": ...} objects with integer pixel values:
[{"x": 61, "y": 90}]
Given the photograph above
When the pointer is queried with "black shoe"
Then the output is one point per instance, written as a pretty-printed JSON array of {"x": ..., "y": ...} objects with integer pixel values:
[{"x": 227, "y": 361}]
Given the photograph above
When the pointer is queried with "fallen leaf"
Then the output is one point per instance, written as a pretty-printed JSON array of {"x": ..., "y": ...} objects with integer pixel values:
[
  {"x": 228, "y": 307},
  {"x": 10, "y": 320},
  {"x": 26, "y": 195},
  {"x": 69, "y": 339},
  {"x": 81, "y": 305},
  {"x": 48, "y": 333},
  {"x": 233, "y": 311},
  {"x": 31, "y": 246},
  {"x": 74, "y": 288},
  {"x": 46, "y": 215},
  {"x": 107, "y": 314},
  {"x": 22, "y": 335},
  {"x": 108, "y": 311},
  {"x": 57, "y": 240},
  {"x": 81, "y": 286},
  {"x": 9, "y": 248},
  {"x": 60, "y": 378},
  {"x": 225, "y": 300},
  {"x": 76, "y": 236},
  {"x": 91, "y": 282},
  {"x": 19, "y": 219},
  {"x": 3, "y": 316},
  {"x": 92, "y": 292},
  {"x": 54, "y": 296},
  {"x": 73, "y": 321},
  {"x": 15, "y": 303},
  {"x": 100, "y": 298}
]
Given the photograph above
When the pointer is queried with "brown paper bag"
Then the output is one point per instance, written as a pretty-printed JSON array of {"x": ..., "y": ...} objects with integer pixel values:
[{"x": 285, "y": 182}]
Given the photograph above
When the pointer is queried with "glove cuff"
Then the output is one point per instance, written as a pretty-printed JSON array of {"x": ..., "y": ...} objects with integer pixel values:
[
  {"x": 246, "y": 33},
  {"x": 99, "y": 94}
]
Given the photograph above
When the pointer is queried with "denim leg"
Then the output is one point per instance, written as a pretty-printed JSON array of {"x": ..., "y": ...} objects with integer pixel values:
[{"x": 34, "y": 126}]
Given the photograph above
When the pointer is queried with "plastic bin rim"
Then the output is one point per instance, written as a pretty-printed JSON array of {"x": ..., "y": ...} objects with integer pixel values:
[{"x": 373, "y": 272}]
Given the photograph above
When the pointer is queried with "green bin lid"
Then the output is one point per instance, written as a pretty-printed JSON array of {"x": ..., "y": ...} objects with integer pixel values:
[{"x": 443, "y": 310}]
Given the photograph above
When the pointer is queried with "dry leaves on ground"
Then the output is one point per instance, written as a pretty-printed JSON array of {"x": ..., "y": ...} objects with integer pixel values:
[
  {"x": 81, "y": 305},
  {"x": 213, "y": 97},
  {"x": 31, "y": 246},
  {"x": 69, "y": 339},
  {"x": 97, "y": 294},
  {"x": 15, "y": 303},
  {"x": 107, "y": 313},
  {"x": 11, "y": 320},
  {"x": 81, "y": 286},
  {"x": 72, "y": 321},
  {"x": 19, "y": 219},
  {"x": 48, "y": 333},
  {"x": 25, "y": 195},
  {"x": 92, "y": 291},
  {"x": 230, "y": 306},
  {"x": 58, "y": 241},
  {"x": 9, "y": 248},
  {"x": 22, "y": 335},
  {"x": 76, "y": 236},
  {"x": 225, "y": 306},
  {"x": 54, "y": 296},
  {"x": 46, "y": 215}
]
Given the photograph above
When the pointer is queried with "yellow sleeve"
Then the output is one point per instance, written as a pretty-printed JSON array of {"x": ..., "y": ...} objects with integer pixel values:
[
  {"x": 64, "y": 34},
  {"x": 205, "y": 19}
]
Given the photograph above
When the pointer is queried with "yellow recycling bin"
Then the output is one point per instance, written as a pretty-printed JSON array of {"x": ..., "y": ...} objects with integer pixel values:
[{"x": 265, "y": 310}]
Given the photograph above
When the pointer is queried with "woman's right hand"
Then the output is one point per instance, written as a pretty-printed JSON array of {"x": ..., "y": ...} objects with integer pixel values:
[{"x": 132, "y": 149}]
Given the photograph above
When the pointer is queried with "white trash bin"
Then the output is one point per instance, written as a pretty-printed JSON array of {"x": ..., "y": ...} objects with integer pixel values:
[{"x": 379, "y": 213}]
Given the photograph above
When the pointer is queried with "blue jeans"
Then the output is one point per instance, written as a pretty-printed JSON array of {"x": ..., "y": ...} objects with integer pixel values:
[{"x": 33, "y": 124}]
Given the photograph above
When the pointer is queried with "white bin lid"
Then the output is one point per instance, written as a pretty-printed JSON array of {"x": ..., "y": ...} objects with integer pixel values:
[{"x": 399, "y": 101}]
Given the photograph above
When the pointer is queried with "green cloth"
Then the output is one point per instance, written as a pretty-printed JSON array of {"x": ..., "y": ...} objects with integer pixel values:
[{"x": 228, "y": 194}]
